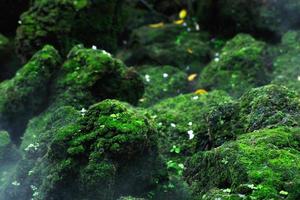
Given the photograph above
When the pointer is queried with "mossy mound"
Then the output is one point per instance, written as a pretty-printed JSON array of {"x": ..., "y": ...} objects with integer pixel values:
[
  {"x": 286, "y": 65},
  {"x": 66, "y": 23},
  {"x": 183, "y": 123},
  {"x": 259, "y": 165},
  {"x": 267, "y": 19},
  {"x": 110, "y": 152},
  {"x": 161, "y": 82},
  {"x": 242, "y": 64},
  {"x": 159, "y": 46},
  {"x": 90, "y": 75},
  {"x": 25, "y": 95}
]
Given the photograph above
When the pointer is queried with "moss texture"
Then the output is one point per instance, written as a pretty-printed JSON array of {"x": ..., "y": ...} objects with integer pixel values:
[
  {"x": 241, "y": 65},
  {"x": 84, "y": 155},
  {"x": 68, "y": 22},
  {"x": 259, "y": 165},
  {"x": 89, "y": 76},
  {"x": 159, "y": 46},
  {"x": 161, "y": 82},
  {"x": 25, "y": 95}
]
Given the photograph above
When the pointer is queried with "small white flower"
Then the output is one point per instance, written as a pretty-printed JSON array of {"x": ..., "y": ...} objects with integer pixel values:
[
  {"x": 298, "y": 78},
  {"x": 147, "y": 77},
  {"x": 190, "y": 123},
  {"x": 94, "y": 47},
  {"x": 195, "y": 97},
  {"x": 16, "y": 183},
  {"x": 83, "y": 111},
  {"x": 165, "y": 75},
  {"x": 19, "y": 22},
  {"x": 173, "y": 125},
  {"x": 197, "y": 27},
  {"x": 191, "y": 134},
  {"x": 217, "y": 59}
]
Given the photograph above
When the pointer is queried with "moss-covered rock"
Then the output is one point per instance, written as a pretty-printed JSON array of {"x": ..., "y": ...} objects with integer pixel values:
[
  {"x": 287, "y": 64},
  {"x": 159, "y": 46},
  {"x": 183, "y": 123},
  {"x": 161, "y": 82},
  {"x": 259, "y": 165},
  {"x": 90, "y": 75},
  {"x": 110, "y": 152},
  {"x": 65, "y": 23},
  {"x": 26, "y": 95},
  {"x": 242, "y": 64}
]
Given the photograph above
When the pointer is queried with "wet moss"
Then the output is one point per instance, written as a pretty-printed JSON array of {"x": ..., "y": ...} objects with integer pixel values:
[
  {"x": 161, "y": 82},
  {"x": 259, "y": 165},
  {"x": 66, "y": 23},
  {"x": 241, "y": 65},
  {"x": 26, "y": 94}
]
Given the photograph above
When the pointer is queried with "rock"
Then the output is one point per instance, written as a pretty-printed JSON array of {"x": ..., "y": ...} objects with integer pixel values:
[
  {"x": 66, "y": 23},
  {"x": 102, "y": 156},
  {"x": 242, "y": 64},
  {"x": 261, "y": 165},
  {"x": 161, "y": 82}
]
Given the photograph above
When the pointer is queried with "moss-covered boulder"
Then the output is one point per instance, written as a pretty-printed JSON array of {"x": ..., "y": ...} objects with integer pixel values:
[
  {"x": 268, "y": 19},
  {"x": 90, "y": 75},
  {"x": 259, "y": 165},
  {"x": 161, "y": 82},
  {"x": 26, "y": 94},
  {"x": 65, "y": 23},
  {"x": 183, "y": 123},
  {"x": 242, "y": 64},
  {"x": 159, "y": 46},
  {"x": 110, "y": 152},
  {"x": 287, "y": 64}
]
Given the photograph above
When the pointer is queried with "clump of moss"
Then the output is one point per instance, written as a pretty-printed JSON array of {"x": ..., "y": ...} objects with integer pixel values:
[
  {"x": 90, "y": 75},
  {"x": 259, "y": 165},
  {"x": 65, "y": 23},
  {"x": 161, "y": 82},
  {"x": 26, "y": 94},
  {"x": 159, "y": 46},
  {"x": 241, "y": 65},
  {"x": 184, "y": 126},
  {"x": 286, "y": 65},
  {"x": 102, "y": 156}
]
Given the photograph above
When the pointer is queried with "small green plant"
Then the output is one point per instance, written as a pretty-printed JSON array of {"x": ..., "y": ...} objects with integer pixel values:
[
  {"x": 176, "y": 167},
  {"x": 175, "y": 149}
]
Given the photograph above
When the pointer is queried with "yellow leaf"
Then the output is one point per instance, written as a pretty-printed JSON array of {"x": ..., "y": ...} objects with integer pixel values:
[
  {"x": 192, "y": 77},
  {"x": 180, "y": 21},
  {"x": 189, "y": 50},
  {"x": 183, "y": 14},
  {"x": 200, "y": 91},
  {"x": 158, "y": 25}
]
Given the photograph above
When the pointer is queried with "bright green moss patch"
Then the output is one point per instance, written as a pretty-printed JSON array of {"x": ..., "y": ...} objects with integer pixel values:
[
  {"x": 90, "y": 75},
  {"x": 162, "y": 82},
  {"x": 25, "y": 95},
  {"x": 261, "y": 165},
  {"x": 241, "y": 65}
]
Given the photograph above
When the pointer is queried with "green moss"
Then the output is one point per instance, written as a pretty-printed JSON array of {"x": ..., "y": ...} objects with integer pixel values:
[
  {"x": 159, "y": 46},
  {"x": 241, "y": 65},
  {"x": 185, "y": 115},
  {"x": 259, "y": 165},
  {"x": 89, "y": 76},
  {"x": 161, "y": 82},
  {"x": 25, "y": 95},
  {"x": 62, "y": 24},
  {"x": 100, "y": 156}
]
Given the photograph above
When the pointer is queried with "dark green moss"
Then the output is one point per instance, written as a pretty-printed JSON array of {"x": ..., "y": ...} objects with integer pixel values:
[
  {"x": 26, "y": 95},
  {"x": 65, "y": 23},
  {"x": 89, "y": 76},
  {"x": 259, "y": 165},
  {"x": 241, "y": 65},
  {"x": 161, "y": 82}
]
